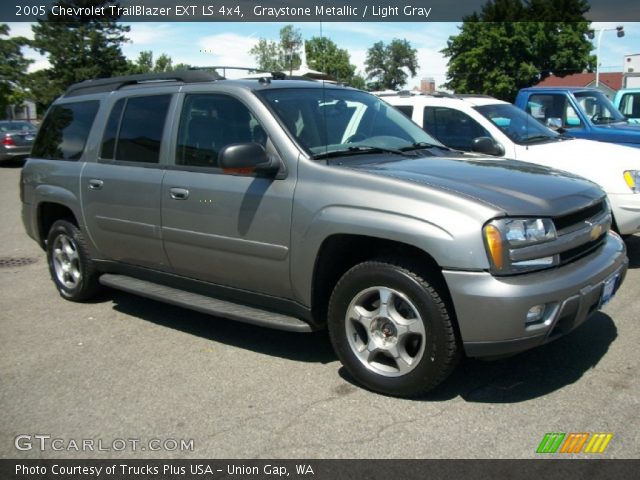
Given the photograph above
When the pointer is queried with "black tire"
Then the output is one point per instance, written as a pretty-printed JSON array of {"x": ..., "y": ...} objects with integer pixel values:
[
  {"x": 407, "y": 359},
  {"x": 67, "y": 254}
]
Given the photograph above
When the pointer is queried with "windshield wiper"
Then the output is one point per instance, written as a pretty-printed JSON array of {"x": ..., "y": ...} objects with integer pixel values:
[
  {"x": 421, "y": 146},
  {"x": 537, "y": 138},
  {"x": 358, "y": 150}
]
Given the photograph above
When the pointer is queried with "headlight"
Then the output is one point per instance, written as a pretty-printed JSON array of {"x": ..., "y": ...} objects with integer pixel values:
[
  {"x": 632, "y": 177},
  {"x": 504, "y": 235}
]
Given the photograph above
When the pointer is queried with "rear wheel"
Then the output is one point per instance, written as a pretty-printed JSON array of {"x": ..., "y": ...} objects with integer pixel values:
[
  {"x": 71, "y": 268},
  {"x": 391, "y": 329}
]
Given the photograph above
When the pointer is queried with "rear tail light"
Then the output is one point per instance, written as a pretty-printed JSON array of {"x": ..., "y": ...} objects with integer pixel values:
[{"x": 8, "y": 141}]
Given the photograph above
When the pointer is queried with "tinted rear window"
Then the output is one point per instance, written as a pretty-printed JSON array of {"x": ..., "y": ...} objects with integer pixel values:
[
  {"x": 65, "y": 130},
  {"x": 141, "y": 129}
]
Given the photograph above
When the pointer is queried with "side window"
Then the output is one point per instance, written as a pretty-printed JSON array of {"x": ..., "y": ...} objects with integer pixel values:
[
  {"x": 452, "y": 127},
  {"x": 406, "y": 109},
  {"x": 135, "y": 129},
  {"x": 630, "y": 105},
  {"x": 553, "y": 110},
  {"x": 64, "y": 132},
  {"x": 208, "y": 123}
]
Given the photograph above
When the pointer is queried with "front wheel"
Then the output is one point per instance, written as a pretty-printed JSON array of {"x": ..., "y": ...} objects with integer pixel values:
[
  {"x": 391, "y": 329},
  {"x": 70, "y": 265}
]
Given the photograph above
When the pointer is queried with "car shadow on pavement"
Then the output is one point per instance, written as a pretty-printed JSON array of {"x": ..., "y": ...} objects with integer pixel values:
[
  {"x": 533, "y": 373},
  {"x": 13, "y": 163},
  {"x": 530, "y": 374},
  {"x": 633, "y": 250},
  {"x": 305, "y": 347}
]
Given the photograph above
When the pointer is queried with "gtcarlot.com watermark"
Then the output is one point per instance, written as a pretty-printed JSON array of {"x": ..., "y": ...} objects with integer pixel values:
[{"x": 44, "y": 442}]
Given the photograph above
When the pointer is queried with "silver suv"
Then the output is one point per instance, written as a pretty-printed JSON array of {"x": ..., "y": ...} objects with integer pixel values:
[{"x": 300, "y": 206}]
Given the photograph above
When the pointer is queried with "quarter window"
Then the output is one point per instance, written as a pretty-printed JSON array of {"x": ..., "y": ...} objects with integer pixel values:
[{"x": 65, "y": 130}]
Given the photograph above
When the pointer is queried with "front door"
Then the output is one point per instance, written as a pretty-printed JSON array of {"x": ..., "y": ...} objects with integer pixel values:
[{"x": 226, "y": 227}]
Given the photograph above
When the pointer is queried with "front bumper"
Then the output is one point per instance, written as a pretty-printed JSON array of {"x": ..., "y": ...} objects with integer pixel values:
[
  {"x": 626, "y": 211},
  {"x": 491, "y": 310}
]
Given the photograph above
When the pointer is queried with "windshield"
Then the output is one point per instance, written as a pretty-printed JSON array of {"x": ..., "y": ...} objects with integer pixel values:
[
  {"x": 598, "y": 108},
  {"x": 326, "y": 121},
  {"x": 516, "y": 124}
]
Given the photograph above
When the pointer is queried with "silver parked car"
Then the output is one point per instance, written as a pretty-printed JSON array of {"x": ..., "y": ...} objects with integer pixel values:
[
  {"x": 302, "y": 206},
  {"x": 16, "y": 139}
]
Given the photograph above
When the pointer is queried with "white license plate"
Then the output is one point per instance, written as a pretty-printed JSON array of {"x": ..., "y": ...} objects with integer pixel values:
[{"x": 607, "y": 289}]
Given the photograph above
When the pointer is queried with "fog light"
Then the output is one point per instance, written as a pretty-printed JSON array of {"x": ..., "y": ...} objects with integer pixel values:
[{"x": 535, "y": 314}]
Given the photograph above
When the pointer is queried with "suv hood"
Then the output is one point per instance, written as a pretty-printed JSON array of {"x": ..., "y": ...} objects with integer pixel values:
[{"x": 517, "y": 188}]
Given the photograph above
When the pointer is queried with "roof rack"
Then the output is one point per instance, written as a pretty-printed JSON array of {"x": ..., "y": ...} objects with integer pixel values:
[{"x": 110, "y": 84}]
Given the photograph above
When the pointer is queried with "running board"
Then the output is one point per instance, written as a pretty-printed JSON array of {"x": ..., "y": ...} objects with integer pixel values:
[{"x": 204, "y": 304}]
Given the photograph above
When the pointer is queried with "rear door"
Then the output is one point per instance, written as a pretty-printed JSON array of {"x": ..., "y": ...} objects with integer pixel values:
[
  {"x": 121, "y": 191},
  {"x": 227, "y": 227}
]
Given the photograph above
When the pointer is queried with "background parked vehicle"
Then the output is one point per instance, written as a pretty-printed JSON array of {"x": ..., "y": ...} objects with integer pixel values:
[
  {"x": 581, "y": 112},
  {"x": 628, "y": 102},
  {"x": 16, "y": 139},
  {"x": 494, "y": 127}
]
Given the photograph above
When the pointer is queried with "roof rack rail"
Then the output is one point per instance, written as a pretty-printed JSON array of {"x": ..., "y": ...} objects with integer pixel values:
[{"x": 99, "y": 85}]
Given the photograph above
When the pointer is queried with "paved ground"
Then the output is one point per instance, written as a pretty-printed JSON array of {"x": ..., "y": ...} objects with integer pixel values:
[{"x": 129, "y": 368}]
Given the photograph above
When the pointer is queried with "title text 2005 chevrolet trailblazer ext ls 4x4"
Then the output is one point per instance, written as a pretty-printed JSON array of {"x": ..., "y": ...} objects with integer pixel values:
[{"x": 299, "y": 206}]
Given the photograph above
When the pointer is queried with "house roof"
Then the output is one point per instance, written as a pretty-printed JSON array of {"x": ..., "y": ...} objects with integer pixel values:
[{"x": 612, "y": 80}]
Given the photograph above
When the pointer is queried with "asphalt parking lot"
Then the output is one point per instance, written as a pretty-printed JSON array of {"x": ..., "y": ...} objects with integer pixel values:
[{"x": 127, "y": 368}]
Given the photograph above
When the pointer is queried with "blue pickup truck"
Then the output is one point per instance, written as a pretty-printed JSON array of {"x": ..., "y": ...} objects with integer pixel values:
[{"x": 581, "y": 112}]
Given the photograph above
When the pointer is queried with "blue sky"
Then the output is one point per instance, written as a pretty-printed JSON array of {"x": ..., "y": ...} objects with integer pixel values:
[{"x": 202, "y": 44}]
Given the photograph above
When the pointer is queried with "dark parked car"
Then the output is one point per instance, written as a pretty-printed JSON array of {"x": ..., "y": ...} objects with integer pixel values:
[{"x": 16, "y": 139}]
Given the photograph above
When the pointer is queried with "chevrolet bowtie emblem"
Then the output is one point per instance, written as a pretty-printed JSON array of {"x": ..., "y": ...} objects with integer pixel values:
[{"x": 596, "y": 230}]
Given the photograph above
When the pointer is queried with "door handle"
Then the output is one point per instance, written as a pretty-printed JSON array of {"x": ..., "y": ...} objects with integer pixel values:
[
  {"x": 95, "y": 184},
  {"x": 179, "y": 193}
]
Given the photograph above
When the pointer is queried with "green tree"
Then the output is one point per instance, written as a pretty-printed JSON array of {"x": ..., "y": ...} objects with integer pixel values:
[
  {"x": 13, "y": 69},
  {"x": 80, "y": 47},
  {"x": 357, "y": 81},
  {"x": 325, "y": 56},
  {"x": 146, "y": 64},
  {"x": 386, "y": 65},
  {"x": 279, "y": 56},
  {"x": 508, "y": 46},
  {"x": 142, "y": 64}
]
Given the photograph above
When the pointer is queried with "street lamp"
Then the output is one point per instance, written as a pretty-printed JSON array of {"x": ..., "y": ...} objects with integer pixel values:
[{"x": 619, "y": 33}]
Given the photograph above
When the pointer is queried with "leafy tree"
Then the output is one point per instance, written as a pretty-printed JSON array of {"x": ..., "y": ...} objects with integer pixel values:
[
  {"x": 279, "y": 56},
  {"x": 509, "y": 45},
  {"x": 290, "y": 45},
  {"x": 145, "y": 64},
  {"x": 357, "y": 81},
  {"x": 80, "y": 47},
  {"x": 13, "y": 69},
  {"x": 163, "y": 64},
  {"x": 325, "y": 56},
  {"x": 385, "y": 64}
]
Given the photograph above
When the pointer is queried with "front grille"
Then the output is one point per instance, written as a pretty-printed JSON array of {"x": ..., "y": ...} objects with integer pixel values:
[
  {"x": 581, "y": 250},
  {"x": 580, "y": 228},
  {"x": 574, "y": 219}
]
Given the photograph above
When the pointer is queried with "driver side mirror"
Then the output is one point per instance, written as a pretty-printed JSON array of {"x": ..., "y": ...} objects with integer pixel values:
[
  {"x": 247, "y": 158},
  {"x": 488, "y": 146},
  {"x": 554, "y": 123}
]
